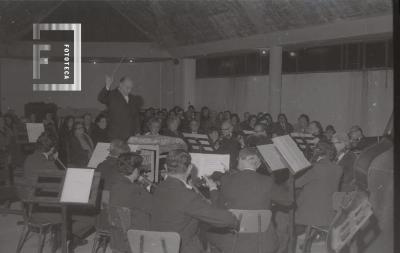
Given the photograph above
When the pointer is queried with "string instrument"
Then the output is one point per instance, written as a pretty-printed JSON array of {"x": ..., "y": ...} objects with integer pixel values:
[{"x": 372, "y": 198}]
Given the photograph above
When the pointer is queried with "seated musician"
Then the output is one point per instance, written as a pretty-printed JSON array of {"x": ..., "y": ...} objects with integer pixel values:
[
  {"x": 177, "y": 208},
  {"x": 109, "y": 167},
  {"x": 345, "y": 158},
  {"x": 260, "y": 137},
  {"x": 228, "y": 143},
  {"x": 247, "y": 190},
  {"x": 80, "y": 147},
  {"x": 317, "y": 185},
  {"x": 358, "y": 142},
  {"x": 127, "y": 192},
  {"x": 194, "y": 127},
  {"x": 41, "y": 160}
]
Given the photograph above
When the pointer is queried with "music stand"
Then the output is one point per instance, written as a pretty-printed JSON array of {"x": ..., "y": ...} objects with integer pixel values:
[{"x": 199, "y": 143}]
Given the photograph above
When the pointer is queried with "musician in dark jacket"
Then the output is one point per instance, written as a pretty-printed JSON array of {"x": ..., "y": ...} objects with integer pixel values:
[
  {"x": 228, "y": 143},
  {"x": 177, "y": 208},
  {"x": 126, "y": 192},
  {"x": 317, "y": 185},
  {"x": 247, "y": 190},
  {"x": 123, "y": 109},
  {"x": 109, "y": 167}
]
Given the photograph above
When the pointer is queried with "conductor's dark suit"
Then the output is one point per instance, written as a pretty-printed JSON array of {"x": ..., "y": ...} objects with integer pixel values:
[
  {"x": 123, "y": 117},
  {"x": 247, "y": 190},
  {"x": 179, "y": 209}
]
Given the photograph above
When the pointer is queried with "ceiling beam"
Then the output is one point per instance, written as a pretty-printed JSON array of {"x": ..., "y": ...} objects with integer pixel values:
[{"x": 338, "y": 31}]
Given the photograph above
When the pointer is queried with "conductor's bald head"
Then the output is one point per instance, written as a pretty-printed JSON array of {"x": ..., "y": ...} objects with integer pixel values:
[{"x": 125, "y": 85}]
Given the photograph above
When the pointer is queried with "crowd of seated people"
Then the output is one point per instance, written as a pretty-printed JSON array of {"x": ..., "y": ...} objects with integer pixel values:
[{"x": 173, "y": 206}]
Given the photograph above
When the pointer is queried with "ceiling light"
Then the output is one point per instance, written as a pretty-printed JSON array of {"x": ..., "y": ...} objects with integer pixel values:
[{"x": 293, "y": 54}]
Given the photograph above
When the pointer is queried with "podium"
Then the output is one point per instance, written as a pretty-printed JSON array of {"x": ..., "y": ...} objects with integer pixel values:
[{"x": 48, "y": 190}]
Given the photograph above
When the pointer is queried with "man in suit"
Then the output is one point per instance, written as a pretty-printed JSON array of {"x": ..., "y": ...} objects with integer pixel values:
[
  {"x": 123, "y": 109},
  {"x": 177, "y": 208},
  {"x": 247, "y": 190},
  {"x": 317, "y": 185}
]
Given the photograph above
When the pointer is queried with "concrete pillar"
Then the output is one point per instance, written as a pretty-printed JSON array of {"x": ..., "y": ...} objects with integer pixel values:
[
  {"x": 275, "y": 81},
  {"x": 188, "y": 79}
]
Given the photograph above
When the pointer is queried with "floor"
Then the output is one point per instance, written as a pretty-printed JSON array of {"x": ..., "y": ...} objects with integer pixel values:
[{"x": 10, "y": 232}]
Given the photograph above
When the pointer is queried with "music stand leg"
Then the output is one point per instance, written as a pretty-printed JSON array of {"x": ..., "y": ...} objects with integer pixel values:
[
  {"x": 64, "y": 229},
  {"x": 292, "y": 235}
]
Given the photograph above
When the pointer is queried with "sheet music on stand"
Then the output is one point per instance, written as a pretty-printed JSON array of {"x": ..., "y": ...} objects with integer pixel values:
[
  {"x": 303, "y": 140},
  {"x": 198, "y": 142},
  {"x": 77, "y": 185},
  {"x": 206, "y": 164},
  {"x": 271, "y": 156},
  {"x": 291, "y": 153}
]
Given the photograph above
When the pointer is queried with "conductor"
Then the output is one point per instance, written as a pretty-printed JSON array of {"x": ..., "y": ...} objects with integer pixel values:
[{"x": 123, "y": 108}]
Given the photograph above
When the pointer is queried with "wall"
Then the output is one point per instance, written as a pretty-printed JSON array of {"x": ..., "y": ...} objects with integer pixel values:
[
  {"x": 16, "y": 88},
  {"x": 339, "y": 98}
]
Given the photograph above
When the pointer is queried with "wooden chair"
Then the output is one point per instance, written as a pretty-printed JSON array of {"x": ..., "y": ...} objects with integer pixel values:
[
  {"x": 141, "y": 241},
  {"x": 45, "y": 193},
  {"x": 252, "y": 221},
  {"x": 103, "y": 233}
]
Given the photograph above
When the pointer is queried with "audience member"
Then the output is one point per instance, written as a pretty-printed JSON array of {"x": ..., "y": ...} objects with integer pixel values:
[
  {"x": 80, "y": 147},
  {"x": 154, "y": 126},
  {"x": 302, "y": 125},
  {"x": 88, "y": 123},
  {"x": 260, "y": 137},
  {"x": 329, "y": 132},
  {"x": 172, "y": 128},
  {"x": 99, "y": 130},
  {"x": 282, "y": 126}
]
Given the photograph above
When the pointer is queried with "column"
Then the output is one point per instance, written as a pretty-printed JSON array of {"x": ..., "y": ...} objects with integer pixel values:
[
  {"x": 275, "y": 81},
  {"x": 188, "y": 79}
]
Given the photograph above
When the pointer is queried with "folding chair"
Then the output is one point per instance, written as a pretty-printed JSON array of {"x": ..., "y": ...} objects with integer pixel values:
[
  {"x": 252, "y": 221},
  {"x": 44, "y": 194},
  {"x": 141, "y": 241}
]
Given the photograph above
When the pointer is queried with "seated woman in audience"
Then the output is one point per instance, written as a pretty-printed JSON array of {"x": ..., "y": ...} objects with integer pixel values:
[
  {"x": 99, "y": 130},
  {"x": 282, "y": 126},
  {"x": 316, "y": 186},
  {"x": 227, "y": 115},
  {"x": 154, "y": 126},
  {"x": 315, "y": 128},
  {"x": 88, "y": 123},
  {"x": 172, "y": 128},
  {"x": 213, "y": 135},
  {"x": 194, "y": 127},
  {"x": 205, "y": 119},
  {"x": 269, "y": 123},
  {"x": 250, "y": 123},
  {"x": 219, "y": 120},
  {"x": 80, "y": 147},
  {"x": 303, "y": 122},
  {"x": 236, "y": 123},
  {"x": 329, "y": 132},
  {"x": 64, "y": 134}
]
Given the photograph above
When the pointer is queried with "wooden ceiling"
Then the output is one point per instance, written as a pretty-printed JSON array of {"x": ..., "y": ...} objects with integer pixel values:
[{"x": 173, "y": 23}]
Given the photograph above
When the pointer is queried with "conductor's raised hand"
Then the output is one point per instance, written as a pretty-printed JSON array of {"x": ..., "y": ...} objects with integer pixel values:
[{"x": 109, "y": 80}]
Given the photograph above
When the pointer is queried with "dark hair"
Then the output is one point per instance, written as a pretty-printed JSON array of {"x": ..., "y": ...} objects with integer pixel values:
[
  {"x": 282, "y": 115},
  {"x": 330, "y": 128},
  {"x": 128, "y": 162},
  {"x": 99, "y": 117},
  {"x": 319, "y": 126},
  {"x": 246, "y": 152},
  {"x": 326, "y": 148},
  {"x": 202, "y": 116},
  {"x": 44, "y": 142},
  {"x": 64, "y": 125},
  {"x": 262, "y": 125},
  {"x": 270, "y": 119},
  {"x": 178, "y": 161},
  {"x": 235, "y": 116},
  {"x": 305, "y": 116}
]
